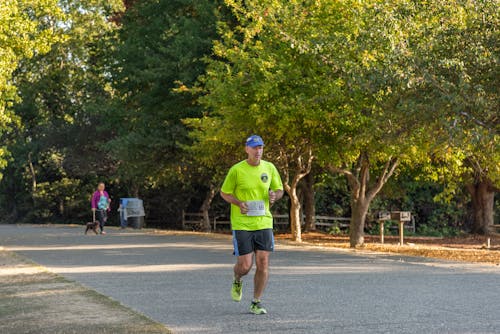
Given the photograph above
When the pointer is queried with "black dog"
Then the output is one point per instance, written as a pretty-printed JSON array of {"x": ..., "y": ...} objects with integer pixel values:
[{"x": 92, "y": 226}]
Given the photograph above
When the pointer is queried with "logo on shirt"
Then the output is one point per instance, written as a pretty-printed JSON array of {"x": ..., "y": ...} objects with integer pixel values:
[{"x": 264, "y": 177}]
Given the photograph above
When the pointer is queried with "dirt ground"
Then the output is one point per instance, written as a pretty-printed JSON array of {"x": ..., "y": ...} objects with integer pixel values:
[
  {"x": 33, "y": 300},
  {"x": 467, "y": 248}
]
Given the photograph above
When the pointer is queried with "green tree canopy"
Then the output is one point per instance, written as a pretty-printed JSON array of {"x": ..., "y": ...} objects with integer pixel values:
[
  {"x": 27, "y": 28},
  {"x": 160, "y": 49},
  {"x": 457, "y": 72},
  {"x": 63, "y": 91}
]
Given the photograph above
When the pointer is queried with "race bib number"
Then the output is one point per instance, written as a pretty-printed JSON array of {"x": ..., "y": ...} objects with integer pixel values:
[{"x": 256, "y": 208}]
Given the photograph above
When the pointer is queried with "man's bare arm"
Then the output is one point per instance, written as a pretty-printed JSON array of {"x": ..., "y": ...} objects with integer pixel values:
[
  {"x": 275, "y": 196},
  {"x": 233, "y": 200}
]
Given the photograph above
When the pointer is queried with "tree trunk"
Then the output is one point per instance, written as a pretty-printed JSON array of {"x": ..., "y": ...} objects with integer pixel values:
[
  {"x": 483, "y": 198},
  {"x": 205, "y": 207},
  {"x": 358, "y": 216},
  {"x": 33, "y": 179},
  {"x": 309, "y": 204},
  {"x": 302, "y": 168},
  {"x": 14, "y": 213},
  {"x": 61, "y": 207},
  {"x": 295, "y": 221},
  {"x": 300, "y": 195},
  {"x": 135, "y": 190},
  {"x": 362, "y": 193}
]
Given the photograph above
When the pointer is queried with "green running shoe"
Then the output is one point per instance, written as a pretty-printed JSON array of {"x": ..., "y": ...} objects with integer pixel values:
[
  {"x": 236, "y": 290},
  {"x": 257, "y": 308}
]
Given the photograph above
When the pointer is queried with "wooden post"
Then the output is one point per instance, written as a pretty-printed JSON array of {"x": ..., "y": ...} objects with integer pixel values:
[
  {"x": 488, "y": 243},
  {"x": 381, "y": 225},
  {"x": 401, "y": 233}
]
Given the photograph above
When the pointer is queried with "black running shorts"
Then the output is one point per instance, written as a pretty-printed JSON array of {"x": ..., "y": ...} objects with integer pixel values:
[{"x": 246, "y": 242}]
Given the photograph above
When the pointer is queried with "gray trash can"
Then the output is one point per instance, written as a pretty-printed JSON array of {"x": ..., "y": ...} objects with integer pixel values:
[
  {"x": 131, "y": 212},
  {"x": 136, "y": 222}
]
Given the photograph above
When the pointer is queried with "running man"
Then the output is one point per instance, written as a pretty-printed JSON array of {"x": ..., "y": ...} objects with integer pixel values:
[{"x": 251, "y": 187}]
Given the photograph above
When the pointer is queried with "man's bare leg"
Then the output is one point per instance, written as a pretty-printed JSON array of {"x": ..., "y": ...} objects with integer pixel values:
[
  {"x": 261, "y": 274},
  {"x": 243, "y": 266}
]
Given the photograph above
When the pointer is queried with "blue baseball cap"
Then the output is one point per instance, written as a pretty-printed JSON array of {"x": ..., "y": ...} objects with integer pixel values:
[{"x": 254, "y": 141}]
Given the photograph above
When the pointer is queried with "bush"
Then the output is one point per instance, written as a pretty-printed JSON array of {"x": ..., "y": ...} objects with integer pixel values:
[
  {"x": 432, "y": 231},
  {"x": 334, "y": 230}
]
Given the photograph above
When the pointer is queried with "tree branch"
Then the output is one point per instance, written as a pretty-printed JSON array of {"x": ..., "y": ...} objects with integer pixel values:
[
  {"x": 363, "y": 173},
  {"x": 351, "y": 178},
  {"x": 302, "y": 171},
  {"x": 389, "y": 168},
  {"x": 285, "y": 168}
]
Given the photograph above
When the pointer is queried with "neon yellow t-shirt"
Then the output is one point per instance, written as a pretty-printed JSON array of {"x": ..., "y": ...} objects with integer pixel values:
[{"x": 252, "y": 183}]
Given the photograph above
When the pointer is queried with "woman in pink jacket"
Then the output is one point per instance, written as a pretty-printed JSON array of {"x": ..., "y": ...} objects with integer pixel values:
[{"x": 100, "y": 204}]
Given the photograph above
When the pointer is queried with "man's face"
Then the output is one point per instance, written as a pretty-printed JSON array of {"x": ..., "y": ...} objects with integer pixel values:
[{"x": 254, "y": 153}]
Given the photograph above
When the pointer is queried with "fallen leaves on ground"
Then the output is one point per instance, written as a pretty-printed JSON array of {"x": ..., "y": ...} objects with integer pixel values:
[{"x": 467, "y": 248}]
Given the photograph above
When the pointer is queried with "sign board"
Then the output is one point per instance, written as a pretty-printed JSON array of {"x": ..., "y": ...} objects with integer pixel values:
[
  {"x": 384, "y": 215},
  {"x": 402, "y": 216}
]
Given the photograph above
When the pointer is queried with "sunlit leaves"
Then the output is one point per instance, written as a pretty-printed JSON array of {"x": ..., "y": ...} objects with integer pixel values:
[{"x": 26, "y": 28}]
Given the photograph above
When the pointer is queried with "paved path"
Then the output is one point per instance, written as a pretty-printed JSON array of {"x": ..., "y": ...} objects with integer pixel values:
[{"x": 183, "y": 281}]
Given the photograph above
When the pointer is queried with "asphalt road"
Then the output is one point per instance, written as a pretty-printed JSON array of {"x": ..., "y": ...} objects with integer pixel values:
[{"x": 184, "y": 282}]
